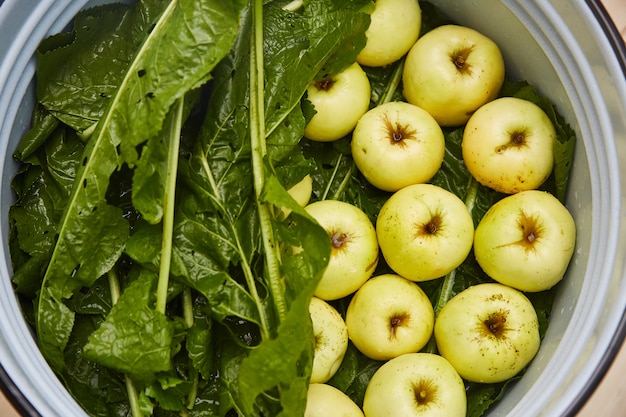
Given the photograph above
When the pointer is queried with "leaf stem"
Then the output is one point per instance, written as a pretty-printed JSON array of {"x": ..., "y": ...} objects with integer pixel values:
[
  {"x": 393, "y": 84},
  {"x": 324, "y": 195},
  {"x": 264, "y": 325},
  {"x": 446, "y": 291},
  {"x": 188, "y": 318},
  {"x": 168, "y": 203},
  {"x": 187, "y": 308},
  {"x": 133, "y": 400},
  {"x": 344, "y": 183},
  {"x": 471, "y": 195},
  {"x": 114, "y": 285},
  {"x": 132, "y": 397},
  {"x": 193, "y": 393},
  {"x": 259, "y": 152}
]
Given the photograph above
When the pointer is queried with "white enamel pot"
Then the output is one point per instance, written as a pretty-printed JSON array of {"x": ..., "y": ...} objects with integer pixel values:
[{"x": 568, "y": 49}]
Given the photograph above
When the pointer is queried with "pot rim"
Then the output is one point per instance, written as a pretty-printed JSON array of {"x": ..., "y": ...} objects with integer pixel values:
[
  {"x": 618, "y": 45},
  {"x": 24, "y": 407}
]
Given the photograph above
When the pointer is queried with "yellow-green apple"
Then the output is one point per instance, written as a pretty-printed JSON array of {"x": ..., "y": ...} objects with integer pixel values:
[
  {"x": 324, "y": 400},
  {"x": 415, "y": 385},
  {"x": 508, "y": 145},
  {"x": 488, "y": 332},
  {"x": 339, "y": 101},
  {"x": 526, "y": 240},
  {"x": 397, "y": 144},
  {"x": 451, "y": 71},
  {"x": 395, "y": 26},
  {"x": 389, "y": 316},
  {"x": 354, "y": 248},
  {"x": 300, "y": 192},
  {"x": 424, "y": 231},
  {"x": 331, "y": 340}
]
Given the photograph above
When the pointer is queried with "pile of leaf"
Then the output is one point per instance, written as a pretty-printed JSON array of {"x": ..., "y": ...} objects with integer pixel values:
[{"x": 149, "y": 249}]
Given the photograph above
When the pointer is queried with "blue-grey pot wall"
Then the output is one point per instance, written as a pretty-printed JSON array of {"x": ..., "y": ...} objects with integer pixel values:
[{"x": 566, "y": 48}]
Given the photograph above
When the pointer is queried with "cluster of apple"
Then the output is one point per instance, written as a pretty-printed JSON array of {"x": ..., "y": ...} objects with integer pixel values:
[{"x": 487, "y": 333}]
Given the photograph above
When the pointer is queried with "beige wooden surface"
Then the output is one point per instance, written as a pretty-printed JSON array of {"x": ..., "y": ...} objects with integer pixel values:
[{"x": 609, "y": 400}]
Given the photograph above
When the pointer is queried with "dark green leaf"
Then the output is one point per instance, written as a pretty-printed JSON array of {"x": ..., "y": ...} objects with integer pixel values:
[
  {"x": 170, "y": 393},
  {"x": 78, "y": 73},
  {"x": 94, "y": 300},
  {"x": 354, "y": 374},
  {"x": 151, "y": 171},
  {"x": 286, "y": 360},
  {"x": 199, "y": 341},
  {"x": 99, "y": 390},
  {"x": 134, "y": 339},
  {"x": 42, "y": 128},
  {"x": 93, "y": 233}
]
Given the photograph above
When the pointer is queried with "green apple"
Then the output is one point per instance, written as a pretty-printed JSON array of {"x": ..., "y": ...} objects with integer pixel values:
[
  {"x": 451, "y": 71},
  {"x": 526, "y": 241},
  {"x": 415, "y": 385},
  {"x": 397, "y": 144},
  {"x": 324, "y": 400},
  {"x": 488, "y": 332},
  {"x": 395, "y": 26},
  {"x": 354, "y": 250},
  {"x": 389, "y": 316},
  {"x": 331, "y": 340},
  {"x": 424, "y": 232},
  {"x": 300, "y": 192},
  {"x": 339, "y": 101},
  {"x": 508, "y": 145}
]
